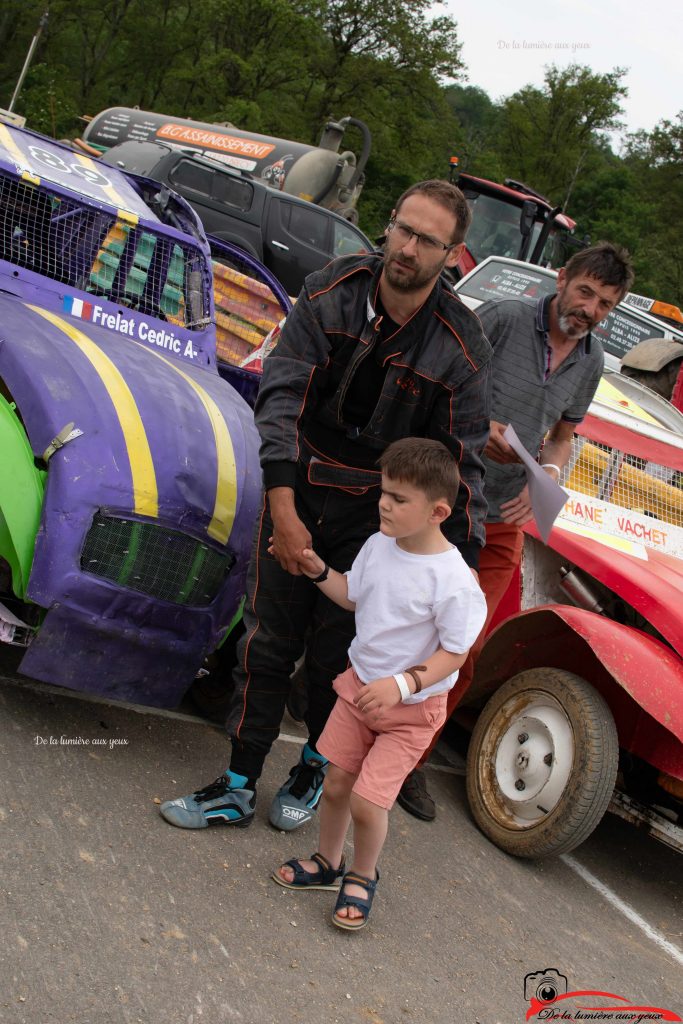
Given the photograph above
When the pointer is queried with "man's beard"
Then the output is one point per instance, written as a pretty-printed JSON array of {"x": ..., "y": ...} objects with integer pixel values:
[
  {"x": 410, "y": 282},
  {"x": 571, "y": 329}
]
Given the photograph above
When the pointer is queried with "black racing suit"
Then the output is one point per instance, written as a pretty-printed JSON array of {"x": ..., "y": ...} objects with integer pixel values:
[{"x": 427, "y": 378}]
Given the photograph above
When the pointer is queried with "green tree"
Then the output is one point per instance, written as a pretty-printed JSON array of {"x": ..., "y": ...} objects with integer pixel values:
[
  {"x": 384, "y": 64},
  {"x": 479, "y": 119},
  {"x": 367, "y": 45},
  {"x": 655, "y": 161},
  {"x": 548, "y": 135},
  {"x": 608, "y": 204},
  {"x": 249, "y": 65}
]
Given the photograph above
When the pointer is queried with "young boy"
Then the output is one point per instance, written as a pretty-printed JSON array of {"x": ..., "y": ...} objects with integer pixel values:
[{"x": 417, "y": 604}]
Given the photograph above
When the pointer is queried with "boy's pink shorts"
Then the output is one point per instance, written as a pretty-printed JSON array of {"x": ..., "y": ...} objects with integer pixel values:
[{"x": 378, "y": 748}]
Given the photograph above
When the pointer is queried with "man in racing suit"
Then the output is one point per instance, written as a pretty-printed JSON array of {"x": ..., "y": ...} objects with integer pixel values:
[{"x": 377, "y": 348}]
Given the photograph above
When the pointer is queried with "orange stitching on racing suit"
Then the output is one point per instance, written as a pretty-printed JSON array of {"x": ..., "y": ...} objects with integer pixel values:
[
  {"x": 256, "y": 627},
  {"x": 461, "y": 342},
  {"x": 338, "y": 280}
]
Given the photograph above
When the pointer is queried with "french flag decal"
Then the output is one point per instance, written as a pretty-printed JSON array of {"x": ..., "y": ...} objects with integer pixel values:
[{"x": 76, "y": 307}]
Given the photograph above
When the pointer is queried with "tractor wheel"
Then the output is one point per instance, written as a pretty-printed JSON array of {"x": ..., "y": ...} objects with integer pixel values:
[{"x": 542, "y": 763}]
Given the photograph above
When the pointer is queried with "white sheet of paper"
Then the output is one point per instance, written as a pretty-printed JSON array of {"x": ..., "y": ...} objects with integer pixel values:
[{"x": 547, "y": 497}]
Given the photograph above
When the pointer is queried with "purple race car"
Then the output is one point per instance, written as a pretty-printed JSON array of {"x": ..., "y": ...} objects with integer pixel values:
[{"x": 129, "y": 475}]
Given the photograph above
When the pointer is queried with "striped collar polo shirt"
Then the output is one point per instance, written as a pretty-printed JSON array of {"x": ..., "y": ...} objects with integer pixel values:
[{"x": 525, "y": 393}]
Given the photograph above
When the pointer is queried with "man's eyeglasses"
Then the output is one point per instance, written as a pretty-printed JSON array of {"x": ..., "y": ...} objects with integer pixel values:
[{"x": 404, "y": 233}]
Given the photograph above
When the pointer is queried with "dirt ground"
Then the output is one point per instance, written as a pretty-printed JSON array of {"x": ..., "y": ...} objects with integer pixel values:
[{"x": 110, "y": 916}]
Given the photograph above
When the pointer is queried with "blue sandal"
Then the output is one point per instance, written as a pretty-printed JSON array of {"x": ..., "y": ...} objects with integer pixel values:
[
  {"x": 326, "y": 877},
  {"x": 353, "y": 924}
]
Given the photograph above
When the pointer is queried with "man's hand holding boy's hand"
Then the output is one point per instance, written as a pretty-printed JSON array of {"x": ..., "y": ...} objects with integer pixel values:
[
  {"x": 290, "y": 535},
  {"x": 288, "y": 540},
  {"x": 379, "y": 695},
  {"x": 311, "y": 565}
]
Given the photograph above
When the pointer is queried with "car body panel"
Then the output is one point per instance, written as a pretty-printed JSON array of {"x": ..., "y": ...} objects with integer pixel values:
[
  {"x": 20, "y": 504},
  {"x": 35, "y": 158},
  {"x": 164, "y": 453},
  {"x": 179, "y": 453},
  {"x": 640, "y": 678}
]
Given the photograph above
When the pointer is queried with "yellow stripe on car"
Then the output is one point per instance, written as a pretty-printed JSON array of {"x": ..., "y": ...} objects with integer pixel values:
[
  {"x": 145, "y": 494},
  {"x": 225, "y": 505},
  {"x": 629, "y": 547},
  {"x": 109, "y": 190},
  {"x": 20, "y": 158}
]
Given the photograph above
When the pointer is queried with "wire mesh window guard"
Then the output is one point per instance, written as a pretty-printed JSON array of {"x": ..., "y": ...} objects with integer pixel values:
[{"x": 95, "y": 251}]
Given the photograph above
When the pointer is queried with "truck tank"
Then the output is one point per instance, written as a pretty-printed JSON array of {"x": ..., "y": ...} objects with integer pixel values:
[{"x": 321, "y": 174}]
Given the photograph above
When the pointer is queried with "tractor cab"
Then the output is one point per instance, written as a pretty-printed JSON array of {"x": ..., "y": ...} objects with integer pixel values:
[{"x": 513, "y": 220}]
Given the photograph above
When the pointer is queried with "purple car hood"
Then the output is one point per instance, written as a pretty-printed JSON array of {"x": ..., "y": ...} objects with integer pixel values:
[
  {"x": 162, "y": 440},
  {"x": 146, "y": 420}
]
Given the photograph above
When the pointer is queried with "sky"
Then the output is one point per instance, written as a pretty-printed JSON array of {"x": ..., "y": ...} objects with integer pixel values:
[{"x": 640, "y": 36}]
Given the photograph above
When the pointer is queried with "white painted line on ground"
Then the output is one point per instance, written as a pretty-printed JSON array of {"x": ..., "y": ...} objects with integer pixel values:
[
  {"x": 181, "y": 716},
  {"x": 286, "y": 738},
  {"x": 141, "y": 709},
  {"x": 624, "y": 908}
]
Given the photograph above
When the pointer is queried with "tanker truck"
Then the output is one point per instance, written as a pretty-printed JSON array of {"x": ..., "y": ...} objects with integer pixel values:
[{"x": 320, "y": 174}]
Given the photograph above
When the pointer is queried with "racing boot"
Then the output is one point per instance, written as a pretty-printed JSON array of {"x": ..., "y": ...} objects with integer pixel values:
[
  {"x": 295, "y": 802},
  {"x": 223, "y": 802}
]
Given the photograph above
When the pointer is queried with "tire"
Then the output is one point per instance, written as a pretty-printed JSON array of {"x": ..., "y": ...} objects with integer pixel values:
[{"x": 525, "y": 805}]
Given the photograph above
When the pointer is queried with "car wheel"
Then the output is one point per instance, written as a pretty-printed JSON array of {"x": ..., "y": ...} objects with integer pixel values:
[{"x": 542, "y": 763}]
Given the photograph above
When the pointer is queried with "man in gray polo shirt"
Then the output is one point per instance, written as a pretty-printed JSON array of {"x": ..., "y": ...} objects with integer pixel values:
[{"x": 546, "y": 368}]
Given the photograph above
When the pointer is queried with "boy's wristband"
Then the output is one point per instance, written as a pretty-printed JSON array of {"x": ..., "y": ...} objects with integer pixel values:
[
  {"x": 403, "y": 687},
  {"x": 323, "y": 575},
  {"x": 413, "y": 672},
  {"x": 551, "y": 465}
]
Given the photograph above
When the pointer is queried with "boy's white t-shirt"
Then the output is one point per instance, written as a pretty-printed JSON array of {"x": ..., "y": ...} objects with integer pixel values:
[{"x": 407, "y": 606}]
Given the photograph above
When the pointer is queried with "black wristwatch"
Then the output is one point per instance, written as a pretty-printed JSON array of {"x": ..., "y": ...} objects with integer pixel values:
[{"x": 323, "y": 575}]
